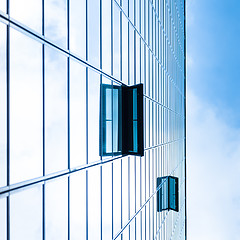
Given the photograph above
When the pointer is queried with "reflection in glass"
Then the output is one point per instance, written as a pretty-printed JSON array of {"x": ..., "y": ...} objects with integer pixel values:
[
  {"x": 94, "y": 32},
  {"x": 55, "y": 111},
  {"x": 78, "y": 206},
  {"x": 106, "y": 33},
  {"x": 77, "y": 114},
  {"x": 3, "y": 104},
  {"x": 28, "y": 12},
  {"x": 78, "y": 27},
  {"x": 56, "y": 21},
  {"x": 110, "y": 112},
  {"x": 25, "y": 107},
  {"x": 93, "y": 115},
  {"x": 56, "y": 209},
  {"x": 26, "y": 214},
  {"x": 3, "y": 218},
  {"x": 94, "y": 218},
  {"x": 107, "y": 200}
]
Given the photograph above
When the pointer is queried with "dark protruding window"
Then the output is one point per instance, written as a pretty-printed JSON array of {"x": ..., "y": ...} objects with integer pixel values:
[
  {"x": 167, "y": 195},
  {"x": 121, "y": 120}
]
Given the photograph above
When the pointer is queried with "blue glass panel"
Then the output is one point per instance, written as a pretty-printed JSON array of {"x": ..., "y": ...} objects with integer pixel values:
[
  {"x": 26, "y": 214},
  {"x": 94, "y": 32},
  {"x": 172, "y": 195},
  {"x": 135, "y": 136},
  {"x": 77, "y": 114},
  {"x": 94, "y": 218},
  {"x": 78, "y": 27},
  {"x": 3, "y": 218},
  {"x": 56, "y": 207},
  {"x": 78, "y": 205},
  {"x": 106, "y": 33},
  {"x": 116, "y": 196},
  {"x": 56, "y": 21},
  {"x": 108, "y": 137},
  {"x": 108, "y": 102},
  {"x": 25, "y": 106},
  {"x": 93, "y": 115},
  {"x": 107, "y": 200},
  {"x": 27, "y": 12},
  {"x": 116, "y": 120},
  {"x": 3, "y": 108},
  {"x": 55, "y": 111},
  {"x": 134, "y": 96}
]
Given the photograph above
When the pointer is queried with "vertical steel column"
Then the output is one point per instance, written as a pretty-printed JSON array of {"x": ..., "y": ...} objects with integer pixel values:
[
  {"x": 43, "y": 86},
  {"x": 8, "y": 119},
  {"x": 86, "y": 120},
  {"x": 185, "y": 123},
  {"x": 68, "y": 110}
]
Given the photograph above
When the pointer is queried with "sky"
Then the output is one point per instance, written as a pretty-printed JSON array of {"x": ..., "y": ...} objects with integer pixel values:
[{"x": 213, "y": 119}]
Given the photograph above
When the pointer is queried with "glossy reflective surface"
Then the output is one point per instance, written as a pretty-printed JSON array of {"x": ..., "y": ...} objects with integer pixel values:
[{"x": 54, "y": 57}]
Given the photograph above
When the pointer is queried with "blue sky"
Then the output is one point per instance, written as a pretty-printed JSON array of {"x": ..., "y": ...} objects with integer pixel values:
[
  {"x": 213, "y": 44},
  {"x": 213, "y": 119}
]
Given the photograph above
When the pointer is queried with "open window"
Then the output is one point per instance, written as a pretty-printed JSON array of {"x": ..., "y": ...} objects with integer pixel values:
[
  {"x": 167, "y": 195},
  {"x": 121, "y": 120}
]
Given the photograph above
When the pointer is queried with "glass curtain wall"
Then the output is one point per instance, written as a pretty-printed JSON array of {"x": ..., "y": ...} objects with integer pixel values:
[{"x": 54, "y": 57}]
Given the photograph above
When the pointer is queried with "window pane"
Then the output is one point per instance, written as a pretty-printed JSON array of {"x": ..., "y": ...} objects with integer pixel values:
[
  {"x": 107, "y": 200},
  {"x": 26, "y": 214},
  {"x": 56, "y": 205},
  {"x": 116, "y": 42},
  {"x": 28, "y": 12},
  {"x": 117, "y": 138},
  {"x": 94, "y": 226},
  {"x": 94, "y": 32},
  {"x": 77, "y": 114},
  {"x": 78, "y": 205},
  {"x": 56, "y": 21},
  {"x": 25, "y": 107},
  {"x": 108, "y": 101},
  {"x": 3, "y": 5},
  {"x": 135, "y": 136},
  {"x": 93, "y": 115},
  {"x": 3, "y": 218},
  {"x": 78, "y": 27},
  {"x": 106, "y": 33},
  {"x": 55, "y": 111},
  {"x": 3, "y": 104},
  {"x": 116, "y": 196},
  {"x": 108, "y": 136}
]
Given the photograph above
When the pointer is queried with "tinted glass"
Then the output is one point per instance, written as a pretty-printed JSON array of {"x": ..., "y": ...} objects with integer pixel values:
[
  {"x": 3, "y": 107},
  {"x": 26, "y": 214},
  {"x": 25, "y": 106},
  {"x": 55, "y": 111}
]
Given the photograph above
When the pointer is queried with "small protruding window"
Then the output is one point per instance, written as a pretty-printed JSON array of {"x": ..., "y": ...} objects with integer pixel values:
[
  {"x": 167, "y": 195},
  {"x": 121, "y": 120}
]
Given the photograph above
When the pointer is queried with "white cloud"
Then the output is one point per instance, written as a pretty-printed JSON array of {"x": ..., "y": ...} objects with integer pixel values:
[{"x": 213, "y": 173}]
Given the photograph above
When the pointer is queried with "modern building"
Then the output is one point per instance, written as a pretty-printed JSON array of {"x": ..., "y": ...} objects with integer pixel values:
[{"x": 92, "y": 119}]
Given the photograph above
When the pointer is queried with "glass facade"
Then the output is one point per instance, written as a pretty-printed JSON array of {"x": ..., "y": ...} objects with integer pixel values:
[{"x": 54, "y": 58}]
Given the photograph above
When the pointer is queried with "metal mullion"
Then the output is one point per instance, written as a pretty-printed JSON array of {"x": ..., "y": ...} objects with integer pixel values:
[
  {"x": 43, "y": 89},
  {"x": 8, "y": 119},
  {"x": 134, "y": 73},
  {"x": 140, "y": 75},
  {"x": 87, "y": 120},
  {"x": 101, "y": 125},
  {"x": 129, "y": 233},
  {"x": 121, "y": 81},
  {"x": 68, "y": 110},
  {"x": 112, "y": 110}
]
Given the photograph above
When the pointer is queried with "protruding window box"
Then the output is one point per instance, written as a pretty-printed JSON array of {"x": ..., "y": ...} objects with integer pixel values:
[
  {"x": 121, "y": 120},
  {"x": 167, "y": 195}
]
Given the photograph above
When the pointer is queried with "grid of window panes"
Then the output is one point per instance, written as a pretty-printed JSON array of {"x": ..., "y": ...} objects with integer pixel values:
[{"x": 54, "y": 55}]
